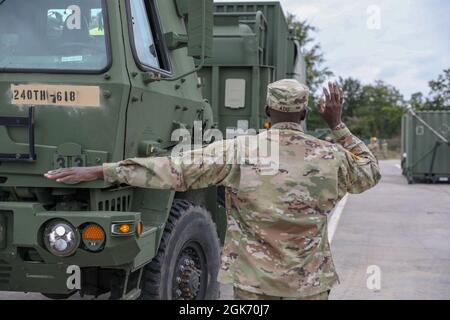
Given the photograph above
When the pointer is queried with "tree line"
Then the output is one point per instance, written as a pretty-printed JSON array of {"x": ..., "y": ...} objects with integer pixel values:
[{"x": 372, "y": 109}]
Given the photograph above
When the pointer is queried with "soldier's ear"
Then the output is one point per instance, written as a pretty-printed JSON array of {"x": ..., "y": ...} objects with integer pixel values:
[{"x": 267, "y": 111}]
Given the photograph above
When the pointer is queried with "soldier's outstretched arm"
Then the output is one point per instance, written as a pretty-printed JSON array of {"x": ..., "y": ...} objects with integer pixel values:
[
  {"x": 358, "y": 167},
  {"x": 195, "y": 169}
]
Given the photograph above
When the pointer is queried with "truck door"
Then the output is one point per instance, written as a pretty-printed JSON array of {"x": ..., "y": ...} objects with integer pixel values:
[
  {"x": 156, "y": 108},
  {"x": 57, "y": 57}
]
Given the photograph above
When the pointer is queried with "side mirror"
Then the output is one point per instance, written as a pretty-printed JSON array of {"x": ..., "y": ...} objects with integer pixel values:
[{"x": 199, "y": 16}]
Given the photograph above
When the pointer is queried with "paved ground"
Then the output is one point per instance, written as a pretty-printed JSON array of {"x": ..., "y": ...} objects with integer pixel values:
[{"x": 403, "y": 230}]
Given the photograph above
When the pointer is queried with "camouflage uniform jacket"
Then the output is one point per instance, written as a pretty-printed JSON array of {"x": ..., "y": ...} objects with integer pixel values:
[{"x": 276, "y": 242}]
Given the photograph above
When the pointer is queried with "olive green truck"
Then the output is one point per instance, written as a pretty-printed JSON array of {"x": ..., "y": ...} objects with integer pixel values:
[{"x": 84, "y": 82}]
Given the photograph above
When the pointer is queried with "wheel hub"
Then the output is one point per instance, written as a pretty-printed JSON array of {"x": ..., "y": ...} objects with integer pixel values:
[
  {"x": 188, "y": 276},
  {"x": 190, "y": 280}
]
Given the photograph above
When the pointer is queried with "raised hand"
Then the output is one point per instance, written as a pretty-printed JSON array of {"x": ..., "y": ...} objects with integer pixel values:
[{"x": 330, "y": 108}]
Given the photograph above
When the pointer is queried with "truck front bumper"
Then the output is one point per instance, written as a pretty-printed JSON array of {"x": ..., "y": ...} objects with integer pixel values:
[{"x": 27, "y": 266}]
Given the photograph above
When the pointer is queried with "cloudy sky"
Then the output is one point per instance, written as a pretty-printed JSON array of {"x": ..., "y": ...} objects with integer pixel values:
[{"x": 403, "y": 42}]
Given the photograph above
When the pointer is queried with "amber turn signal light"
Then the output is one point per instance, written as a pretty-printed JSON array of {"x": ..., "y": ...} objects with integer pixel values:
[
  {"x": 139, "y": 229},
  {"x": 93, "y": 232},
  {"x": 124, "y": 228}
]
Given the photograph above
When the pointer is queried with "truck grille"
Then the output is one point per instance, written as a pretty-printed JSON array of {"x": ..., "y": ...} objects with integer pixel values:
[
  {"x": 5, "y": 272},
  {"x": 118, "y": 200},
  {"x": 115, "y": 204}
]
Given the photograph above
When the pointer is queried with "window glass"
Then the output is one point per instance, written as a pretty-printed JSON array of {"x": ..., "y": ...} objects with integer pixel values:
[
  {"x": 53, "y": 35},
  {"x": 143, "y": 36}
]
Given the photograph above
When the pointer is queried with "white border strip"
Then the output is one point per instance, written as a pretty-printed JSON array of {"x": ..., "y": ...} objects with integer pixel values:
[{"x": 334, "y": 220}]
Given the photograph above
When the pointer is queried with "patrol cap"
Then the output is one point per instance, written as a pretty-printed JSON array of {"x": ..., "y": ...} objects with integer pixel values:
[{"x": 287, "y": 95}]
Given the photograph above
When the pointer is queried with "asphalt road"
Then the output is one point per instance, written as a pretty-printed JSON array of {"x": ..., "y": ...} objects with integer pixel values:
[
  {"x": 402, "y": 229},
  {"x": 400, "y": 232}
]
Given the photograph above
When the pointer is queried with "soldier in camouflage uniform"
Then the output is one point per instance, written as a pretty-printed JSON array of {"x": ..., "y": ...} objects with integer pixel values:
[
  {"x": 276, "y": 244},
  {"x": 385, "y": 149}
]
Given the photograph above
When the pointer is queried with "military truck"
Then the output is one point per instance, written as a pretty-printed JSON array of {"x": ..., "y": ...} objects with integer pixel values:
[
  {"x": 425, "y": 146},
  {"x": 85, "y": 82},
  {"x": 253, "y": 46}
]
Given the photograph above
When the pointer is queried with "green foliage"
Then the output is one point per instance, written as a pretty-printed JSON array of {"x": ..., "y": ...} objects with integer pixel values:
[
  {"x": 369, "y": 110},
  {"x": 439, "y": 96},
  {"x": 417, "y": 101},
  {"x": 373, "y": 110},
  {"x": 353, "y": 93}
]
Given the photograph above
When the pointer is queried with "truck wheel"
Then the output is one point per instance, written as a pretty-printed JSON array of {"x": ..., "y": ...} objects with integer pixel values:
[
  {"x": 57, "y": 296},
  {"x": 187, "y": 263}
]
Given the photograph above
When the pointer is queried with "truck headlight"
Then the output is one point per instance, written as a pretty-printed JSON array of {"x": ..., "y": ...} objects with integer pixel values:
[{"x": 61, "y": 238}]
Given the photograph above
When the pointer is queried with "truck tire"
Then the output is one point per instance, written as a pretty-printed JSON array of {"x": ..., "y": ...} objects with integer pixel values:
[{"x": 188, "y": 259}]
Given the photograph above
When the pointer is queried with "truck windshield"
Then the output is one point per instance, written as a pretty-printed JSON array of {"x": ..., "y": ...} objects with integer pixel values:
[{"x": 53, "y": 35}]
